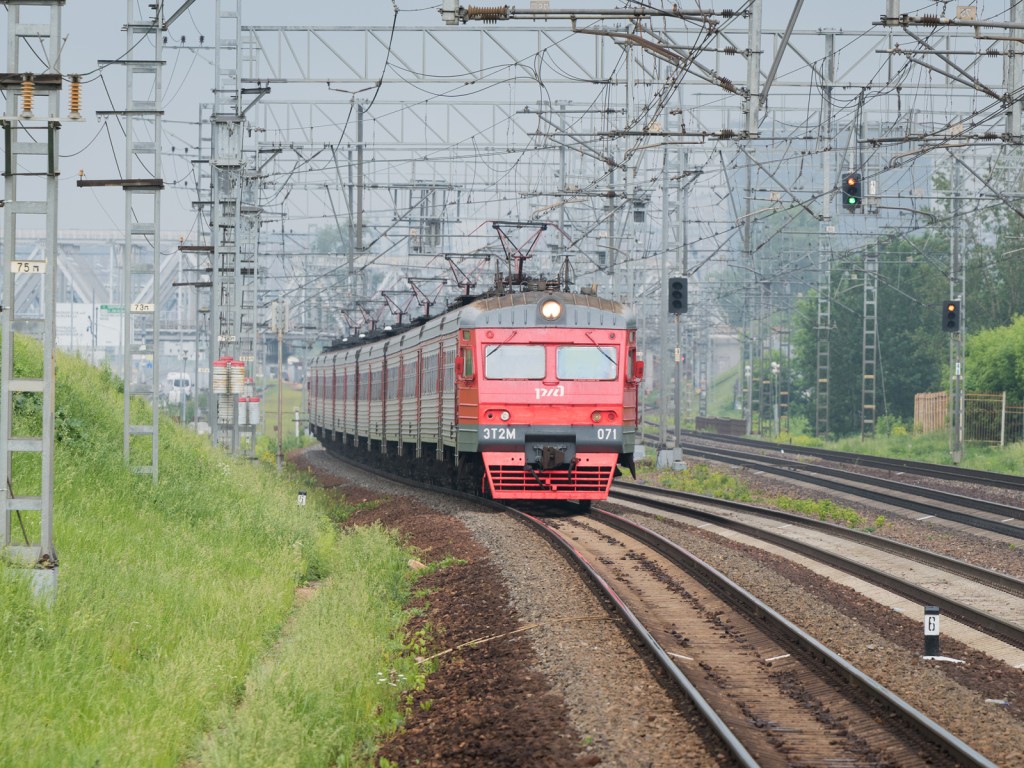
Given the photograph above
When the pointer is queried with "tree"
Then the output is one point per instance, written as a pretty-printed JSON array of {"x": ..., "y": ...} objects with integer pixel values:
[
  {"x": 995, "y": 360},
  {"x": 332, "y": 239},
  {"x": 912, "y": 351}
]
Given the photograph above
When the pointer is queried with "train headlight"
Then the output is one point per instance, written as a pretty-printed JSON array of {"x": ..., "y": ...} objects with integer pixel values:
[
  {"x": 551, "y": 310},
  {"x": 505, "y": 415},
  {"x": 596, "y": 416}
]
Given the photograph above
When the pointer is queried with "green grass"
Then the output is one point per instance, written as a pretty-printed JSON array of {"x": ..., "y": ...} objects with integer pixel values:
[
  {"x": 824, "y": 509},
  {"x": 901, "y": 443},
  {"x": 291, "y": 401},
  {"x": 698, "y": 478},
  {"x": 175, "y": 632},
  {"x": 312, "y": 702},
  {"x": 932, "y": 448}
]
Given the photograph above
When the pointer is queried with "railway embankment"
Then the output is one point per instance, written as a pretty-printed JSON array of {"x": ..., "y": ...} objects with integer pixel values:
[{"x": 205, "y": 620}]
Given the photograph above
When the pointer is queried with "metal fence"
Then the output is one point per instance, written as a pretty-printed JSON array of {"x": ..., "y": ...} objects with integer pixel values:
[
  {"x": 988, "y": 418},
  {"x": 732, "y": 427}
]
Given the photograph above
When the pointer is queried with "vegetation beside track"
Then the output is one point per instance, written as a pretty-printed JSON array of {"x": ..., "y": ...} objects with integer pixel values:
[
  {"x": 698, "y": 478},
  {"x": 934, "y": 449},
  {"x": 177, "y": 636},
  {"x": 898, "y": 442}
]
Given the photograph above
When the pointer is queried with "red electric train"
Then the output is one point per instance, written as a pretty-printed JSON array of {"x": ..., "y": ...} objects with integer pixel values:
[{"x": 521, "y": 396}]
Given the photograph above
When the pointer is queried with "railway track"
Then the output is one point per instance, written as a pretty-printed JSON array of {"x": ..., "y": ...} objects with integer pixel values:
[
  {"x": 896, "y": 466},
  {"x": 991, "y": 516},
  {"x": 775, "y": 696},
  {"x": 986, "y": 600}
]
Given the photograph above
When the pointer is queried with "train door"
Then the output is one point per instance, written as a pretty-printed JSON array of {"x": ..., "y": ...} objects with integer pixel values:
[
  {"x": 375, "y": 414},
  {"x": 408, "y": 433},
  {"x": 633, "y": 375},
  {"x": 467, "y": 393},
  {"x": 385, "y": 400},
  {"x": 343, "y": 400},
  {"x": 357, "y": 424},
  {"x": 417, "y": 394},
  {"x": 318, "y": 415},
  {"x": 334, "y": 397},
  {"x": 399, "y": 403},
  {"x": 448, "y": 397},
  {"x": 348, "y": 413},
  {"x": 311, "y": 387},
  {"x": 391, "y": 413}
]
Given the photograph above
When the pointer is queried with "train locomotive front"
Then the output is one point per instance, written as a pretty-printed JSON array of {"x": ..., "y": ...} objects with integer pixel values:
[
  {"x": 517, "y": 396},
  {"x": 547, "y": 394}
]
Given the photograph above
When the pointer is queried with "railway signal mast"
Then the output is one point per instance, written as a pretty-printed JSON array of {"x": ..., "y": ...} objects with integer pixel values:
[
  {"x": 31, "y": 131},
  {"x": 140, "y": 279}
]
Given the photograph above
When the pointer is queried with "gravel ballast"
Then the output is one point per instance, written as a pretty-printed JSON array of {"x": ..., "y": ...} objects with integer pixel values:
[{"x": 593, "y": 699}]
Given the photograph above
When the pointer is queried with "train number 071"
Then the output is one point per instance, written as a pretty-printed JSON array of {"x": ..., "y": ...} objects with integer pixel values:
[{"x": 607, "y": 433}]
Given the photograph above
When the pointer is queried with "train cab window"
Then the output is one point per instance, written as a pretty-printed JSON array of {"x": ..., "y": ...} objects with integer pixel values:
[
  {"x": 586, "y": 362},
  {"x": 514, "y": 361}
]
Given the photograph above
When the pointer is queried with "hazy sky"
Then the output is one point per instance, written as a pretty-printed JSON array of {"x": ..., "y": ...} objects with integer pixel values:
[{"x": 93, "y": 32}]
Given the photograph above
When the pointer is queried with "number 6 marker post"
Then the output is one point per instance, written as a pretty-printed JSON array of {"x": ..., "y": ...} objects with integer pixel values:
[{"x": 931, "y": 630}]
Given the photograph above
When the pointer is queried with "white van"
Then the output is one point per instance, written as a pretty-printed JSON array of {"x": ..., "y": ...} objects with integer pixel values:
[{"x": 177, "y": 385}]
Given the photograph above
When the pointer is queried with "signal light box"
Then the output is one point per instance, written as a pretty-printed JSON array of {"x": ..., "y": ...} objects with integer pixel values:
[
  {"x": 853, "y": 197},
  {"x": 676, "y": 291},
  {"x": 951, "y": 316}
]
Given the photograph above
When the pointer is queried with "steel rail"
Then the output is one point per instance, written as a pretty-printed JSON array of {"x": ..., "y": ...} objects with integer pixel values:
[
  {"x": 817, "y": 475},
  {"x": 986, "y": 576},
  {"x": 731, "y": 741},
  {"x": 922, "y": 468},
  {"x": 992, "y": 625},
  {"x": 761, "y": 613}
]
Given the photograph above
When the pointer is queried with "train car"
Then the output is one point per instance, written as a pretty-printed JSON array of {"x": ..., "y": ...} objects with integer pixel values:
[{"x": 520, "y": 396}]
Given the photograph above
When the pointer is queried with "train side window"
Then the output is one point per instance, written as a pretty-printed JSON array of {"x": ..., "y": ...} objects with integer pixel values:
[
  {"x": 374, "y": 386},
  {"x": 428, "y": 385},
  {"x": 587, "y": 362},
  {"x": 392, "y": 385},
  {"x": 448, "y": 363},
  {"x": 514, "y": 361},
  {"x": 409, "y": 378}
]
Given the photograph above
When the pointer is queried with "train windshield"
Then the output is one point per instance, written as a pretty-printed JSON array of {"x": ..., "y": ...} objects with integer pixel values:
[
  {"x": 514, "y": 361},
  {"x": 600, "y": 363}
]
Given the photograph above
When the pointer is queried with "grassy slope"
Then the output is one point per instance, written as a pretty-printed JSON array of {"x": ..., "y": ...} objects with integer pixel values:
[
  {"x": 165, "y": 641},
  {"x": 291, "y": 401}
]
